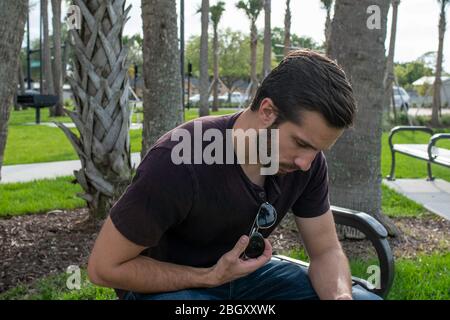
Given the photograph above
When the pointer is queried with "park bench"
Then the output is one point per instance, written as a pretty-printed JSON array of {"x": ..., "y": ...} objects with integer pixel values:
[
  {"x": 427, "y": 152},
  {"x": 377, "y": 234}
]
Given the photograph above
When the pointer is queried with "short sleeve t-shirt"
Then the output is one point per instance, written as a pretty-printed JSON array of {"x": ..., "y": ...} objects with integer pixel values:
[{"x": 192, "y": 214}]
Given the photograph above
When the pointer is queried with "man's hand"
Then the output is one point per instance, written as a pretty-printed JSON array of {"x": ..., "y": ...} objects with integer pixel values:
[{"x": 231, "y": 267}]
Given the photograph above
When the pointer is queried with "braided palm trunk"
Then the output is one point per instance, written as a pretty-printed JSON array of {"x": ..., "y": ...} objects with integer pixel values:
[{"x": 100, "y": 87}]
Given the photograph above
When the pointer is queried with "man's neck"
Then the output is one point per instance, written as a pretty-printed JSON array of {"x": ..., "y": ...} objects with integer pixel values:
[{"x": 253, "y": 171}]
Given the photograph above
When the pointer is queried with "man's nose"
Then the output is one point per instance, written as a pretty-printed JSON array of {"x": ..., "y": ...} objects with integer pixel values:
[{"x": 304, "y": 161}]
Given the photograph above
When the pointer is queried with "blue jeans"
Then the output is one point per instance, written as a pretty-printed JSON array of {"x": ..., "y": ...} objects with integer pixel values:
[{"x": 276, "y": 280}]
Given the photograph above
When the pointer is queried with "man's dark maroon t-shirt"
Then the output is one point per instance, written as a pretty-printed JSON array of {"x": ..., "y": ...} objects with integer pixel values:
[{"x": 192, "y": 214}]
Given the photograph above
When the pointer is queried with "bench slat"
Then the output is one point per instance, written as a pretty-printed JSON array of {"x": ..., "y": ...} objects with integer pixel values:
[{"x": 421, "y": 151}]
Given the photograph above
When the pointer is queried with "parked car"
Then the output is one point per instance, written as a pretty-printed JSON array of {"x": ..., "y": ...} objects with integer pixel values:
[
  {"x": 236, "y": 98},
  {"x": 401, "y": 98}
]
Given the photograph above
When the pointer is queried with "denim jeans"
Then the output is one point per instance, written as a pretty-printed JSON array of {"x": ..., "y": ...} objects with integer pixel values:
[{"x": 276, "y": 280}]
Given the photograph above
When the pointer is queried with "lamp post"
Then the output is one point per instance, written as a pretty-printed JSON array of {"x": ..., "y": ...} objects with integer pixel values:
[
  {"x": 182, "y": 51},
  {"x": 28, "y": 52}
]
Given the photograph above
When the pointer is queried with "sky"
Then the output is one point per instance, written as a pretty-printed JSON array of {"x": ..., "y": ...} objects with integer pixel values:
[{"x": 417, "y": 29}]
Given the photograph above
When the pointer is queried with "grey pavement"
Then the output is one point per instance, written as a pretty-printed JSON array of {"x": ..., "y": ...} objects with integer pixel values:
[
  {"x": 46, "y": 170},
  {"x": 433, "y": 195}
]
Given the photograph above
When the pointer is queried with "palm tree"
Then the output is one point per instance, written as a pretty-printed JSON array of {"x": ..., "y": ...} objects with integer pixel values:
[
  {"x": 47, "y": 76},
  {"x": 57, "y": 110},
  {"x": 327, "y": 5},
  {"x": 216, "y": 14},
  {"x": 287, "y": 28},
  {"x": 389, "y": 74},
  {"x": 12, "y": 16},
  {"x": 267, "y": 64},
  {"x": 355, "y": 181},
  {"x": 437, "y": 81},
  {"x": 100, "y": 87},
  {"x": 163, "y": 106},
  {"x": 204, "y": 77},
  {"x": 252, "y": 9}
]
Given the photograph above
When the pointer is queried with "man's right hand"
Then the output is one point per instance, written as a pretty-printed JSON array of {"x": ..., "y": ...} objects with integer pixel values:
[{"x": 231, "y": 267}]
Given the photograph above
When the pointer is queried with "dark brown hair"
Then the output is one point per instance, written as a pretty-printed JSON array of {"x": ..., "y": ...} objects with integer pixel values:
[{"x": 307, "y": 80}]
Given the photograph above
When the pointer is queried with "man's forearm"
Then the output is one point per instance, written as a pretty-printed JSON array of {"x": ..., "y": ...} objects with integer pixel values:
[
  {"x": 330, "y": 275},
  {"x": 146, "y": 275}
]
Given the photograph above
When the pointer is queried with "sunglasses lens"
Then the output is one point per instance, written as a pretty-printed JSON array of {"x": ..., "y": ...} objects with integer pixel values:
[
  {"x": 255, "y": 246},
  {"x": 267, "y": 216}
]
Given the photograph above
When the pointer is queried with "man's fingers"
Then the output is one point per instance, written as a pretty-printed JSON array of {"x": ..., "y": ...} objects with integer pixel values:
[
  {"x": 240, "y": 246},
  {"x": 262, "y": 259}
]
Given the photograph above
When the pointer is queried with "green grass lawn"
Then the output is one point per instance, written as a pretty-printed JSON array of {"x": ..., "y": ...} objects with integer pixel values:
[
  {"x": 39, "y": 196},
  {"x": 426, "y": 277},
  {"x": 30, "y": 143}
]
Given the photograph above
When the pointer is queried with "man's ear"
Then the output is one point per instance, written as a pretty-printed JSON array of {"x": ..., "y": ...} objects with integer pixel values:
[{"x": 267, "y": 112}]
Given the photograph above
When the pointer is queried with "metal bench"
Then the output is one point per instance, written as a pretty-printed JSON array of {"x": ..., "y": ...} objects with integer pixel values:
[
  {"x": 377, "y": 234},
  {"x": 427, "y": 152}
]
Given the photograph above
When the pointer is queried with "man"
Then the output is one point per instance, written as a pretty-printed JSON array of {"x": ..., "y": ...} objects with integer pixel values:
[{"x": 180, "y": 230}]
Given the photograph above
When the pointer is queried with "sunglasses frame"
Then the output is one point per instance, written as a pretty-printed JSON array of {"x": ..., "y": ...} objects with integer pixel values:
[{"x": 254, "y": 235}]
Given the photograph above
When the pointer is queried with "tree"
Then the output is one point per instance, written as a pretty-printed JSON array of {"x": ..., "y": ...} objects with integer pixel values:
[
  {"x": 389, "y": 77},
  {"x": 354, "y": 161},
  {"x": 204, "y": 77},
  {"x": 252, "y": 9},
  {"x": 287, "y": 28},
  {"x": 407, "y": 73},
  {"x": 234, "y": 50},
  {"x": 100, "y": 87},
  {"x": 58, "y": 81},
  {"x": 327, "y": 5},
  {"x": 296, "y": 41},
  {"x": 47, "y": 76},
  {"x": 216, "y": 14},
  {"x": 12, "y": 16},
  {"x": 267, "y": 65},
  {"x": 437, "y": 81},
  {"x": 163, "y": 107}
]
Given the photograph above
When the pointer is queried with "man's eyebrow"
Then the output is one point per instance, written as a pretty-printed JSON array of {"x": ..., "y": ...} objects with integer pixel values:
[{"x": 306, "y": 143}]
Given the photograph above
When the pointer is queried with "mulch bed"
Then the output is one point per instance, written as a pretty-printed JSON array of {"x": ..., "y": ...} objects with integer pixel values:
[{"x": 33, "y": 246}]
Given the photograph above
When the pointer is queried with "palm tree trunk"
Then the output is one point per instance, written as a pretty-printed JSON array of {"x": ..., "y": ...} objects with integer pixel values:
[
  {"x": 12, "y": 26},
  {"x": 328, "y": 27},
  {"x": 163, "y": 107},
  {"x": 204, "y": 78},
  {"x": 21, "y": 84},
  {"x": 267, "y": 65},
  {"x": 355, "y": 160},
  {"x": 47, "y": 79},
  {"x": 438, "y": 81},
  {"x": 287, "y": 28},
  {"x": 253, "y": 48},
  {"x": 389, "y": 74},
  {"x": 57, "y": 110},
  {"x": 100, "y": 87},
  {"x": 215, "y": 106}
]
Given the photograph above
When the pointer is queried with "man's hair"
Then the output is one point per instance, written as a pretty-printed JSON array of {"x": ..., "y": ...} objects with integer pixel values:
[{"x": 307, "y": 80}]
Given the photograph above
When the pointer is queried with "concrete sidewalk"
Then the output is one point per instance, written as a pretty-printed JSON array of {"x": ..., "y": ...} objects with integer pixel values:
[
  {"x": 433, "y": 195},
  {"x": 46, "y": 170}
]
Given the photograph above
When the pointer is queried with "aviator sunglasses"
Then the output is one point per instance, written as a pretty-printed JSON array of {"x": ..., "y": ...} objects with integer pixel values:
[{"x": 266, "y": 217}]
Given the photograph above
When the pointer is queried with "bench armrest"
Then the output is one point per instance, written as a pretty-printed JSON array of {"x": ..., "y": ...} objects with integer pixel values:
[
  {"x": 397, "y": 129},
  {"x": 433, "y": 141},
  {"x": 377, "y": 234}
]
